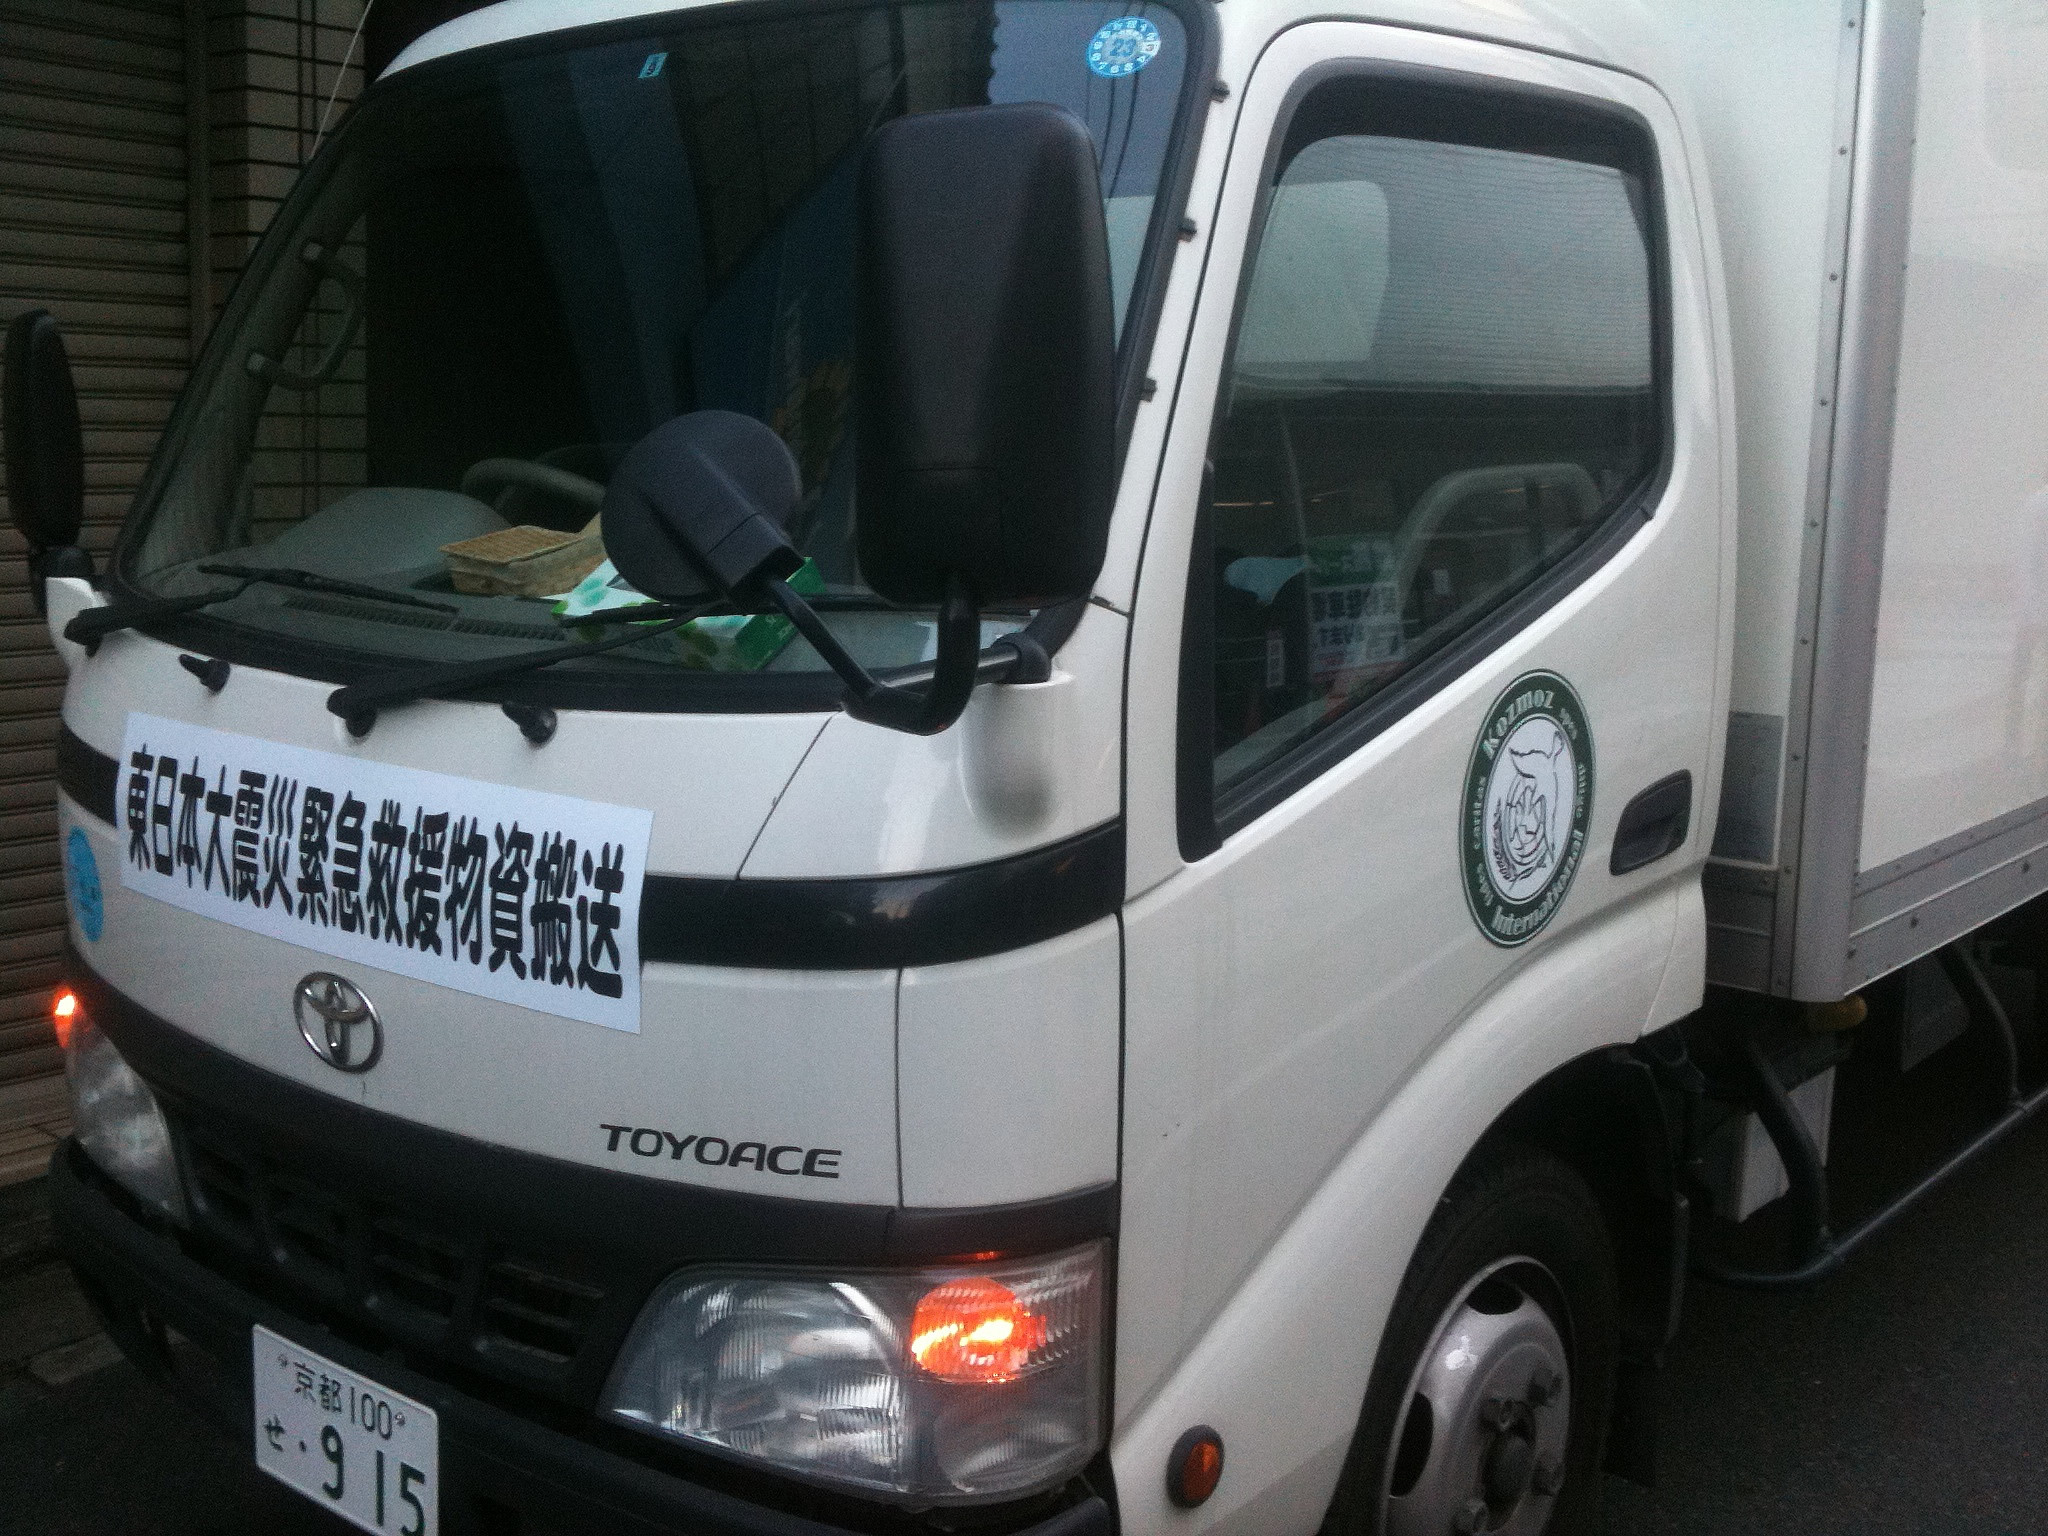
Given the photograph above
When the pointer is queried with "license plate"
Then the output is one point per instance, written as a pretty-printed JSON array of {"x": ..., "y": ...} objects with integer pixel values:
[{"x": 362, "y": 1450}]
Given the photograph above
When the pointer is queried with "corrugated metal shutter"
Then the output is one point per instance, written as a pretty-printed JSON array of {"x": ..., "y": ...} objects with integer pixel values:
[{"x": 92, "y": 227}]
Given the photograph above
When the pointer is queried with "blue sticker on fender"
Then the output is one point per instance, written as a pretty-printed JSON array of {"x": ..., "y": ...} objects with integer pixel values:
[
  {"x": 1122, "y": 47},
  {"x": 82, "y": 884}
]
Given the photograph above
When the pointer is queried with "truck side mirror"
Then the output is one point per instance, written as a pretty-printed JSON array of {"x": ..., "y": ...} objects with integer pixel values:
[
  {"x": 696, "y": 511},
  {"x": 698, "y": 505},
  {"x": 985, "y": 333},
  {"x": 45, "y": 449}
]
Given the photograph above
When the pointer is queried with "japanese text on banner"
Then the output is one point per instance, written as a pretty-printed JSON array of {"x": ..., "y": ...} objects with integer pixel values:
[{"x": 529, "y": 897}]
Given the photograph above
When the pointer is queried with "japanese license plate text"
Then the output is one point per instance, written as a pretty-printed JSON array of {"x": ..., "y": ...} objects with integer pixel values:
[{"x": 365, "y": 1452}]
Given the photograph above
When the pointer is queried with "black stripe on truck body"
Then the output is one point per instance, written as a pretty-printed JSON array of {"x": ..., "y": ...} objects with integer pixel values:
[{"x": 863, "y": 924}]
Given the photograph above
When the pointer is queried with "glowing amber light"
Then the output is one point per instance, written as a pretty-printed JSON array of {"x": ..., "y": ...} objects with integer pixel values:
[
  {"x": 64, "y": 1016},
  {"x": 1196, "y": 1466},
  {"x": 974, "y": 1331}
]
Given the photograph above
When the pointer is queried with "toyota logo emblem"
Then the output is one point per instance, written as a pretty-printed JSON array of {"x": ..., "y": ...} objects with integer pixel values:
[{"x": 337, "y": 1021}]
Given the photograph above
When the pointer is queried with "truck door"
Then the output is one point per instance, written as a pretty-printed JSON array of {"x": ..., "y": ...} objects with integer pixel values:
[{"x": 1428, "y": 655}]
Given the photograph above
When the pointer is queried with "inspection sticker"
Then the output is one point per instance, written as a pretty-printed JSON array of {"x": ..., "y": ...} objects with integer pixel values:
[
  {"x": 515, "y": 894},
  {"x": 1122, "y": 47}
]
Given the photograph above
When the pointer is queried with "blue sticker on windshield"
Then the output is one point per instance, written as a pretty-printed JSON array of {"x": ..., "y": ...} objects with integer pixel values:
[
  {"x": 1122, "y": 47},
  {"x": 651, "y": 69},
  {"x": 82, "y": 884}
]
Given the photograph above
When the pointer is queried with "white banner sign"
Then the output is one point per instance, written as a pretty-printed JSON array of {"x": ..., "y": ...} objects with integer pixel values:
[{"x": 526, "y": 897}]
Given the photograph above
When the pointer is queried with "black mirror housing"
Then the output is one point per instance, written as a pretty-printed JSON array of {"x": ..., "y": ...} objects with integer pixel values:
[
  {"x": 697, "y": 508},
  {"x": 986, "y": 343},
  {"x": 45, "y": 448},
  {"x": 699, "y": 505}
]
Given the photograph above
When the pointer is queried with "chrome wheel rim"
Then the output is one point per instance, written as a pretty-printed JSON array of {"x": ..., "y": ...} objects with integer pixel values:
[{"x": 1479, "y": 1445}]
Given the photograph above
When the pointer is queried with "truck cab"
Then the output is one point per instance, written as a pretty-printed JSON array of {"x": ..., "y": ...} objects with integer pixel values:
[{"x": 848, "y": 754}]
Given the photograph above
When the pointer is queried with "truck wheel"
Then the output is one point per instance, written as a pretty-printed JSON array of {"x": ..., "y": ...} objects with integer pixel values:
[{"x": 1487, "y": 1409}]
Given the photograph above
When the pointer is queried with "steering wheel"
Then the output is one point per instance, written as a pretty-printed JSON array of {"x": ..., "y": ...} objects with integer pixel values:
[{"x": 487, "y": 477}]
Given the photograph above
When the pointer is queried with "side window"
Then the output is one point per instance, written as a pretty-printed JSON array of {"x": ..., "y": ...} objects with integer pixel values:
[{"x": 1443, "y": 383}]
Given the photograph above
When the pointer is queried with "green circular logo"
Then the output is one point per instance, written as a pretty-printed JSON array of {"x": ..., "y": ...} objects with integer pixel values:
[{"x": 1528, "y": 799}]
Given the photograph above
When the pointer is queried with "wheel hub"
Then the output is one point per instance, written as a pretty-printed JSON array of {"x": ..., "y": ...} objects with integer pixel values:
[
  {"x": 1509, "y": 1461},
  {"x": 1481, "y": 1445}
]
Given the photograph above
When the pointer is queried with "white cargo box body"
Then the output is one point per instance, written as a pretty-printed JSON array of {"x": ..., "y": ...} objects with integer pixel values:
[{"x": 1881, "y": 184}]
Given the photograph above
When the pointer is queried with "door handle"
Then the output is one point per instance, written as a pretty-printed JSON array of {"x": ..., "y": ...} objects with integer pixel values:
[{"x": 1653, "y": 824}]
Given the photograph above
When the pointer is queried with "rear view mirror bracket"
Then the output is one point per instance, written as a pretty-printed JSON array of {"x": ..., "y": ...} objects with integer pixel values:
[
  {"x": 925, "y": 712},
  {"x": 64, "y": 560},
  {"x": 698, "y": 507}
]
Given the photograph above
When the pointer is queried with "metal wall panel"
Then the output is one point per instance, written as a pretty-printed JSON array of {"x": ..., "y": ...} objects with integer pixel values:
[
  {"x": 92, "y": 227},
  {"x": 1959, "y": 712},
  {"x": 144, "y": 145}
]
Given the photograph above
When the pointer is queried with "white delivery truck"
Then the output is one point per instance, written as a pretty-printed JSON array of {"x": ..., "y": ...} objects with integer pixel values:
[{"x": 1050, "y": 766}]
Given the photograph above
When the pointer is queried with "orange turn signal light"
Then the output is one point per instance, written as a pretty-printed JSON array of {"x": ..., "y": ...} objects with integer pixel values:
[
  {"x": 1194, "y": 1467},
  {"x": 65, "y": 1013},
  {"x": 974, "y": 1331}
]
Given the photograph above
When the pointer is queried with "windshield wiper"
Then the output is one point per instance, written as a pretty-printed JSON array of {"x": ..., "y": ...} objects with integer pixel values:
[
  {"x": 95, "y": 624},
  {"x": 639, "y": 613},
  {"x": 313, "y": 581},
  {"x": 648, "y": 613},
  {"x": 358, "y": 703}
]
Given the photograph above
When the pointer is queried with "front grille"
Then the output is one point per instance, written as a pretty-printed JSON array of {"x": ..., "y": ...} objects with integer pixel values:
[
  {"x": 412, "y": 1267},
  {"x": 529, "y": 1309},
  {"x": 397, "y": 1276}
]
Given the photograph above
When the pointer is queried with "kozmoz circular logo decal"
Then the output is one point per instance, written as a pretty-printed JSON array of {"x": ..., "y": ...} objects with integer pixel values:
[{"x": 1528, "y": 799}]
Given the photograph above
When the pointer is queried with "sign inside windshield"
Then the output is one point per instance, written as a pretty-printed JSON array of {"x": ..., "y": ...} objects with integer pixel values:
[{"x": 514, "y": 894}]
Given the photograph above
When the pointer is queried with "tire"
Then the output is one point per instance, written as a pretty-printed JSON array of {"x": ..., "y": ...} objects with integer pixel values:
[{"x": 1501, "y": 1430}]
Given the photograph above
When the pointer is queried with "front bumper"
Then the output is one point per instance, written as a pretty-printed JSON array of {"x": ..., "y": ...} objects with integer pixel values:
[{"x": 500, "y": 1472}]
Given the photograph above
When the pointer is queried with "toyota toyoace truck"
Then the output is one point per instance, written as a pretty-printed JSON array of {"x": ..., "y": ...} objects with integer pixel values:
[{"x": 1042, "y": 766}]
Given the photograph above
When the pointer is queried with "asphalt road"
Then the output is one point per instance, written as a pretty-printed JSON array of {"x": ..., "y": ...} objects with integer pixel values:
[{"x": 1907, "y": 1395}]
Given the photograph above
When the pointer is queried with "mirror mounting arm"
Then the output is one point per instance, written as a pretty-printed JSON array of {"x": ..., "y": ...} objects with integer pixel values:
[
  {"x": 63, "y": 560},
  {"x": 922, "y": 713},
  {"x": 1032, "y": 662}
]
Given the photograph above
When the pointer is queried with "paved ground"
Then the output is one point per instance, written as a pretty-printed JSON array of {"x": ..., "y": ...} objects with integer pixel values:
[
  {"x": 1906, "y": 1396},
  {"x": 87, "y": 1447},
  {"x": 34, "y": 1116}
]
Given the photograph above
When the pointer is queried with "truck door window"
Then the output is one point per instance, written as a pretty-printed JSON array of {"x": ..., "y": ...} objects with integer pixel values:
[{"x": 1444, "y": 381}]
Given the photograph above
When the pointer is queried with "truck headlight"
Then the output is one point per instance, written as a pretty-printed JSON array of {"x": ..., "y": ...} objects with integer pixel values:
[
  {"x": 964, "y": 1382},
  {"x": 113, "y": 1113}
]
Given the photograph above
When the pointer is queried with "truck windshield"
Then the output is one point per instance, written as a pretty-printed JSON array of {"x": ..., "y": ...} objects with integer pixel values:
[{"x": 513, "y": 263}]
